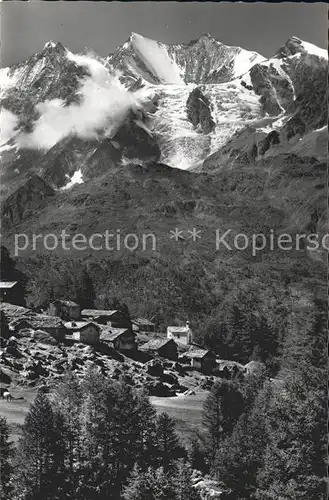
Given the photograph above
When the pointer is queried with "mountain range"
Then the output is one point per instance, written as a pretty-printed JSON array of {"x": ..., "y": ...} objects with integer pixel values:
[
  {"x": 159, "y": 136},
  {"x": 148, "y": 86}
]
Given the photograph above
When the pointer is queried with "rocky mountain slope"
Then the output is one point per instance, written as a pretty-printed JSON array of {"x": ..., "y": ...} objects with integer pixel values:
[
  {"x": 76, "y": 126},
  {"x": 239, "y": 86},
  {"x": 204, "y": 60},
  {"x": 111, "y": 148}
]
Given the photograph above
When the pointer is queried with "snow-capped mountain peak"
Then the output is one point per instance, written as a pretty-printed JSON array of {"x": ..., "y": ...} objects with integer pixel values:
[
  {"x": 194, "y": 96},
  {"x": 204, "y": 60},
  {"x": 51, "y": 45},
  {"x": 155, "y": 57},
  {"x": 295, "y": 45}
]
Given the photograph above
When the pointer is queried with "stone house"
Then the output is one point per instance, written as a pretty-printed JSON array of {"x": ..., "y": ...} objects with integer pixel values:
[
  {"x": 143, "y": 325},
  {"x": 166, "y": 348},
  {"x": 122, "y": 339},
  {"x": 64, "y": 309},
  {"x": 182, "y": 334},
  {"x": 84, "y": 331},
  {"x": 49, "y": 324},
  {"x": 12, "y": 292},
  {"x": 228, "y": 369},
  {"x": 113, "y": 318},
  {"x": 201, "y": 359},
  {"x": 13, "y": 311}
]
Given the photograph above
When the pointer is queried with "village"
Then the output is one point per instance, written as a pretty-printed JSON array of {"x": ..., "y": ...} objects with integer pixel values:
[{"x": 38, "y": 347}]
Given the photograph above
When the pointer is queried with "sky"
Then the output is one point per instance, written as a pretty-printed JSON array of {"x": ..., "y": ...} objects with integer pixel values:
[{"x": 102, "y": 26}]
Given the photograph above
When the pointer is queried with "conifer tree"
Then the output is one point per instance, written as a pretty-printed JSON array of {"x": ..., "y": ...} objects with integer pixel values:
[
  {"x": 167, "y": 442},
  {"x": 41, "y": 453},
  {"x": 68, "y": 401},
  {"x": 7, "y": 264},
  {"x": 125, "y": 437},
  {"x": 85, "y": 294},
  {"x": 240, "y": 455},
  {"x": 139, "y": 485},
  {"x": 112, "y": 436},
  {"x": 147, "y": 432},
  {"x": 294, "y": 464},
  {"x": 221, "y": 410},
  {"x": 156, "y": 484},
  {"x": 196, "y": 456},
  {"x": 184, "y": 489},
  {"x": 150, "y": 485},
  {"x": 98, "y": 455},
  {"x": 6, "y": 456}
]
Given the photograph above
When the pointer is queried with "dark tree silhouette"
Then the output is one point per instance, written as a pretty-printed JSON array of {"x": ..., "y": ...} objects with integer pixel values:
[{"x": 6, "y": 457}]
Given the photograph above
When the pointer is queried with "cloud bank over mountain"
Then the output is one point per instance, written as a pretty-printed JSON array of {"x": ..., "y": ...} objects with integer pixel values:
[{"x": 100, "y": 106}]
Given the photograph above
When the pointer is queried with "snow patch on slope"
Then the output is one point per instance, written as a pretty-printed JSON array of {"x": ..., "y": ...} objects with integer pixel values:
[
  {"x": 313, "y": 49},
  {"x": 155, "y": 56},
  {"x": 76, "y": 178},
  {"x": 244, "y": 60},
  {"x": 50, "y": 45}
]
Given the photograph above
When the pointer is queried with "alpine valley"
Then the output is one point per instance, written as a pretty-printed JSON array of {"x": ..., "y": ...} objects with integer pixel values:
[
  {"x": 156, "y": 137},
  {"x": 163, "y": 265}
]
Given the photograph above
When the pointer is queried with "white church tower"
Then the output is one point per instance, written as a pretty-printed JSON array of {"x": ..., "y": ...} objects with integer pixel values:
[
  {"x": 183, "y": 334},
  {"x": 189, "y": 334}
]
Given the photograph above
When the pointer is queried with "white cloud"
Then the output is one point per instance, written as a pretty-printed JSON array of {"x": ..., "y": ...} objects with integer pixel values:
[
  {"x": 104, "y": 106},
  {"x": 8, "y": 123}
]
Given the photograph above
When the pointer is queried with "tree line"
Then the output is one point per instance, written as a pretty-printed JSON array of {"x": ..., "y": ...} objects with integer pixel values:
[
  {"x": 242, "y": 313},
  {"x": 265, "y": 438},
  {"x": 94, "y": 439}
]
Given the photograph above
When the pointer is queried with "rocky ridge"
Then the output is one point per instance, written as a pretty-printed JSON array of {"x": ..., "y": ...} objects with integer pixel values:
[
  {"x": 276, "y": 108},
  {"x": 238, "y": 87}
]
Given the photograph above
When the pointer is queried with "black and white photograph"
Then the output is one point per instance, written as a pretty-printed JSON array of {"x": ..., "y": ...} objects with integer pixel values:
[{"x": 164, "y": 250}]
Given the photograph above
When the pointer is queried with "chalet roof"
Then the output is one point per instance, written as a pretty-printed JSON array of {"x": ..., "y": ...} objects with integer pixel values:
[
  {"x": 43, "y": 320},
  {"x": 98, "y": 312},
  {"x": 177, "y": 329},
  {"x": 15, "y": 321},
  {"x": 39, "y": 321},
  {"x": 254, "y": 366},
  {"x": 225, "y": 363},
  {"x": 142, "y": 322},
  {"x": 156, "y": 344},
  {"x": 80, "y": 325},
  {"x": 198, "y": 353},
  {"x": 12, "y": 311},
  {"x": 111, "y": 334},
  {"x": 7, "y": 285},
  {"x": 182, "y": 347},
  {"x": 68, "y": 303}
]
